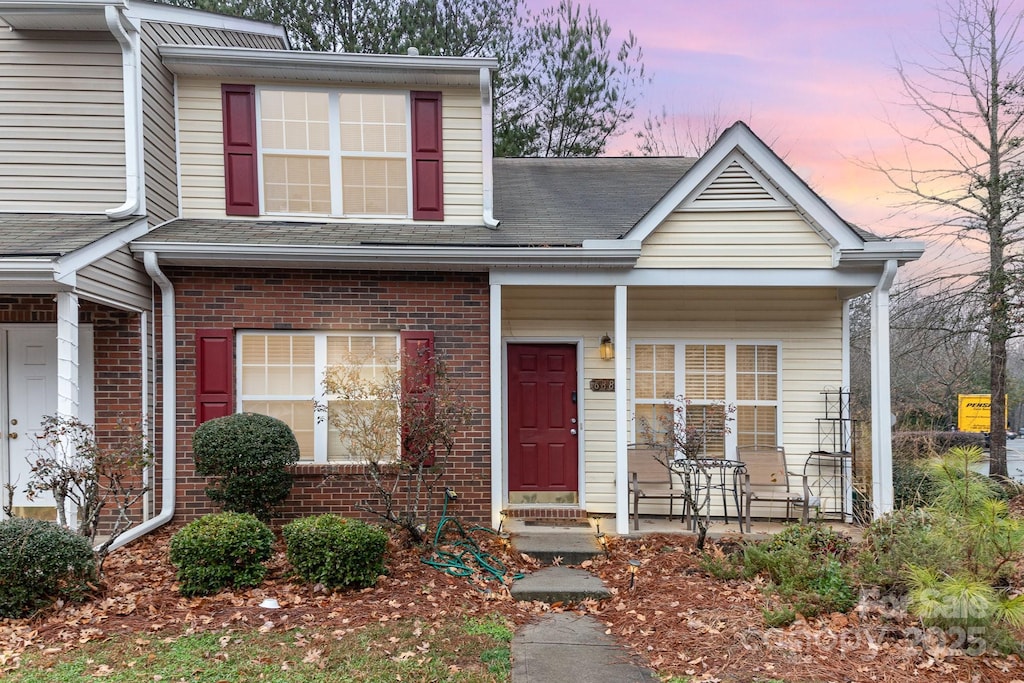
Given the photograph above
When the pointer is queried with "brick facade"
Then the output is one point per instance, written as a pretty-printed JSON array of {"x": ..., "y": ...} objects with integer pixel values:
[{"x": 454, "y": 306}]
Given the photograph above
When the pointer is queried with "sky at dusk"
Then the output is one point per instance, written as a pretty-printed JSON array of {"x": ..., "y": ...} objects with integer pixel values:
[{"x": 813, "y": 78}]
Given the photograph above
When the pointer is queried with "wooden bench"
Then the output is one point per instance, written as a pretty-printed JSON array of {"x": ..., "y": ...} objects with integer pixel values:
[{"x": 649, "y": 478}]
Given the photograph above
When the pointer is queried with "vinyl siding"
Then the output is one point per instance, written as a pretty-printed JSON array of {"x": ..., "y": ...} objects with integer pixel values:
[
  {"x": 61, "y": 122},
  {"x": 118, "y": 277},
  {"x": 202, "y": 154},
  {"x": 807, "y": 323},
  {"x": 735, "y": 239},
  {"x": 158, "y": 105}
]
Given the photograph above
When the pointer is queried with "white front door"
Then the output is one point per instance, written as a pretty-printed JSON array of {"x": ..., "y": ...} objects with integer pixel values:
[{"x": 30, "y": 393}]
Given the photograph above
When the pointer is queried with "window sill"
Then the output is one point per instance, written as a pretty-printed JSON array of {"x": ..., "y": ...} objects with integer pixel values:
[{"x": 330, "y": 468}]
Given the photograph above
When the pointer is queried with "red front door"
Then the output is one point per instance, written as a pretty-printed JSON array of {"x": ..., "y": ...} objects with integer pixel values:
[{"x": 543, "y": 459}]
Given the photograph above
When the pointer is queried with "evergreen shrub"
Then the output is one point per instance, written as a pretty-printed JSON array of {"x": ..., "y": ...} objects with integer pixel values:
[
  {"x": 221, "y": 550},
  {"x": 248, "y": 456},
  {"x": 335, "y": 551},
  {"x": 39, "y": 563}
]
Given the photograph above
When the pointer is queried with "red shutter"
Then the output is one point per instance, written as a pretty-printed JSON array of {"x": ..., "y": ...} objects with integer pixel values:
[
  {"x": 214, "y": 365},
  {"x": 417, "y": 385},
  {"x": 240, "y": 178},
  {"x": 427, "y": 171}
]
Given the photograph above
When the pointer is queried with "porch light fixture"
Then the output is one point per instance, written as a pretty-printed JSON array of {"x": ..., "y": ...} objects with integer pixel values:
[{"x": 606, "y": 349}]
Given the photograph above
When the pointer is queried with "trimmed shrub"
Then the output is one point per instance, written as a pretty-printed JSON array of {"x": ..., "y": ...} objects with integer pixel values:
[
  {"x": 221, "y": 550},
  {"x": 40, "y": 562},
  {"x": 335, "y": 551},
  {"x": 248, "y": 456}
]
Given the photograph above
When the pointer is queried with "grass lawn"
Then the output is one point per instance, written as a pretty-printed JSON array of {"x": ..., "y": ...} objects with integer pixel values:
[{"x": 456, "y": 650}]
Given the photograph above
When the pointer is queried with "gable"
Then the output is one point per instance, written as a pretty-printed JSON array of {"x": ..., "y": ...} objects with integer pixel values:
[{"x": 736, "y": 218}]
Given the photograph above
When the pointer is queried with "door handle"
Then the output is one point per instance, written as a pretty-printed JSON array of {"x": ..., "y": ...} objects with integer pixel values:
[
  {"x": 573, "y": 432},
  {"x": 12, "y": 435}
]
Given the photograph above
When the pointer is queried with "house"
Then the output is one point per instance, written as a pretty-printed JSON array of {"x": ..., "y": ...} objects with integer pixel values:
[{"x": 203, "y": 220}]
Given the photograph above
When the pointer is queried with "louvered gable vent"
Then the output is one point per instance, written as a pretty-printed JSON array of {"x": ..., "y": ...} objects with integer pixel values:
[{"x": 734, "y": 185}]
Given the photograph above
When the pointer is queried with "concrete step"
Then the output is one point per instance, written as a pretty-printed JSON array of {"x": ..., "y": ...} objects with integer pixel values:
[
  {"x": 551, "y": 544},
  {"x": 559, "y": 584}
]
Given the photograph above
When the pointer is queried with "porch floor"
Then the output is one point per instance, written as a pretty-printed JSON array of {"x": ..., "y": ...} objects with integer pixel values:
[{"x": 659, "y": 524}]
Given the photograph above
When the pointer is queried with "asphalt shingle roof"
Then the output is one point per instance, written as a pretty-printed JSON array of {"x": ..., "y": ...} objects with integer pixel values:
[
  {"x": 540, "y": 202},
  {"x": 565, "y": 201},
  {"x": 53, "y": 234}
]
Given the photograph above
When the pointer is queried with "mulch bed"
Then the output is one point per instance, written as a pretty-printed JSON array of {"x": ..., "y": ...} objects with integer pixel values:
[{"x": 675, "y": 617}]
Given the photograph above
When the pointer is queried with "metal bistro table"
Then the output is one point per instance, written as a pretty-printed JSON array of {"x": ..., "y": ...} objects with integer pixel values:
[{"x": 701, "y": 476}]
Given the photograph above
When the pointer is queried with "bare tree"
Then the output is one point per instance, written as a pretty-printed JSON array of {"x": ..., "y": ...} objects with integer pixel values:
[
  {"x": 970, "y": 99},
  {"x": 686, "y": 133},
  {"x": 679, "y": 135}
]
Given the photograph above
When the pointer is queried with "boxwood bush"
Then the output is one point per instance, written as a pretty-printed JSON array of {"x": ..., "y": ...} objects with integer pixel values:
[
  {"x": 221, "y": 550},
  {"x": 40, "y": 562},
  {"x": 335, "y": 551},
  {"x": 248, "y": 456}
]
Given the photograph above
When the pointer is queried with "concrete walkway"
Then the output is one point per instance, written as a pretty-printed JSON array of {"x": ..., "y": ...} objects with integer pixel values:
[{"x": 564, "y": 647}]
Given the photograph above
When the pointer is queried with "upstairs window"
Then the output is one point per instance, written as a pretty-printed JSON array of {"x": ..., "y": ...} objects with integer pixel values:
[
  {"x": 323, "y": 152},
  {"x": 335, "y": 153}
]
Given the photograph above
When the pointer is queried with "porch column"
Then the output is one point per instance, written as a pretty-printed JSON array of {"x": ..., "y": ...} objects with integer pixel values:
[
  {"x": 67, "y": 355},
  {"x": 497, "y": 415},
  {"x": 881, "y": 400},
  {"x": 621, "y": 414}
]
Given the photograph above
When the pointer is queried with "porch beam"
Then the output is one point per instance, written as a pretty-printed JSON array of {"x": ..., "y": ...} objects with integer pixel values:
[
  {"x": 856, "y": 279},
  {"x": 621, "y": 413},
  {"x": 881, "y": 398}
]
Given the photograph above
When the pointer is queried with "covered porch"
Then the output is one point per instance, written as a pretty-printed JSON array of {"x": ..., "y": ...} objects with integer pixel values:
[
  {"x": 74, "y": 336},
  {"x": 770, "y": 348}
]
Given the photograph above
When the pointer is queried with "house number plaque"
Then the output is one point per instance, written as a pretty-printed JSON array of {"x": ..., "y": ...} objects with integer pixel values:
[{"x": 602, "y": 385}]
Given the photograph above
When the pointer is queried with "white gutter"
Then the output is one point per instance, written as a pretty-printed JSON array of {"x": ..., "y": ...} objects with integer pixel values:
[
  {"x": 187, "y": 59},
  {"x": 128, "y": 38},
  {"x": 878, "y": 253},
  {"x": 170, "y": 406},
  {"x": 487, "y": 144},
  {"x": 622, "y": 254}
]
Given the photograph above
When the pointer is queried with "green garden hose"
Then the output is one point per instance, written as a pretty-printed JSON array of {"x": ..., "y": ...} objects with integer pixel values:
[{"x": 462, "y": 556}]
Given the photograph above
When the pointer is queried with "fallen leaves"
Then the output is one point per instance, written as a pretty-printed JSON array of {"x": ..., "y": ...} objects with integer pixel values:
[{"x": 679, "y": 619}]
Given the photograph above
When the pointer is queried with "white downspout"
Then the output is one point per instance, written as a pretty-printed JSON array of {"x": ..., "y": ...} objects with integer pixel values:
[
  {"x": 498, "y": 453},
  {"x": 170, "y": 406},
  {"x": 128, "y": 38},
  {"x": 147, "y": 473},
  {"x": 487, "y": 142},
  {"x": 881, "y": 397}
]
